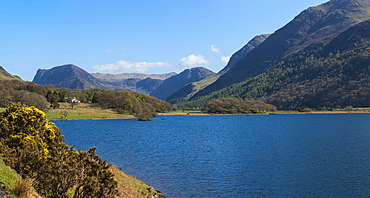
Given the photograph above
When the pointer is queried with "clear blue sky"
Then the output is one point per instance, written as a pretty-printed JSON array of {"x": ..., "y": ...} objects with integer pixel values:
[{"x": 148, "y": 36}]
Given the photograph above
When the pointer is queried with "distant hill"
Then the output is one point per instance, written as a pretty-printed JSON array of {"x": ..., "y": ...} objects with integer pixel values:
[
  {"x": 189, "y": 90},
  {"x": 67, "y": 76},
  {"x": 4, "y": 75},
  {"x": 142, "y": 83},
  {"x": 158, "y": 85},
  {"x": 73, "y": 77},
  {"x": 174, "y": 83}
]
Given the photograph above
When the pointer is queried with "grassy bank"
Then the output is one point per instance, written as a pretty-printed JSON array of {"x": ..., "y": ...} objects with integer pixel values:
[
  {"x": 128, "y": 186},
  {"x": 7, "y": 175}
]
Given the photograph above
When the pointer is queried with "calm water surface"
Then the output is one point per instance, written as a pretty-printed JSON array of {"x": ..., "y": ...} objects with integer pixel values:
[{"x": 237, "y": 156}]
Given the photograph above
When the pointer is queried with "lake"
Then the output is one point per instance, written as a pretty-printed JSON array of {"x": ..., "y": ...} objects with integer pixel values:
[{"x": 304, "y": 155}]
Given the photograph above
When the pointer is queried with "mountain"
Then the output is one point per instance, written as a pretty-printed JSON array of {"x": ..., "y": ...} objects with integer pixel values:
[
  {"x": 158, "y": 85},
  {"x": 318, "y": 60},
  {"x": 73, "y": 77},
  {"x": 4, "y": 75},
  {"x": 244, "y": 51},
  {"x": 142, "y": 83},
  {"x": 191, "y": 89},
  {"x": 328, "y": 76},
  {"x": 174, "y": 83},
  {"x": 312, "y": 27},
  {"x": 67, "y": 76}
]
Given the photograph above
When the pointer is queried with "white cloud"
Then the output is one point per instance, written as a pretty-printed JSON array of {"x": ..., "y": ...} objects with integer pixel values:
[
  {"x": 193, "y": 60},
  {"x": 225, "y": 59},
  {"x": 126, "y": 66},
  {"x": 108, "y": 51},
  {"x": 214, "y": 49}
]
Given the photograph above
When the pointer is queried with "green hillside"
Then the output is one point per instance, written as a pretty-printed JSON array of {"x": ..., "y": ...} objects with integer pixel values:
[
  {"x": 4, "y": 75},
  {"x": 312, "y": 27}
]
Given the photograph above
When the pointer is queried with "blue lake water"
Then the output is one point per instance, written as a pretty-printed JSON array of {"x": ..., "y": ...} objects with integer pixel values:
[{"x": 237, "y": 155}]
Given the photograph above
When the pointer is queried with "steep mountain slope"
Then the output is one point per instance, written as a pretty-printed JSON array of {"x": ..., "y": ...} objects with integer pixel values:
[
  {"x": 68, "y": 76},
  {"x": 244, "y": 51},
  {"x": 191, "y": 89},
  {"x": 4, "y": 75},
  {"x": 330, "y": 75},
  {"x": 313, "y": 26},
  {"x": 174, "y": 83}
]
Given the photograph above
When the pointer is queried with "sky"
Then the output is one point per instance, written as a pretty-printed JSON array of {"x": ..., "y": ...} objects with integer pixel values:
[{"x": 126, "y": 36}]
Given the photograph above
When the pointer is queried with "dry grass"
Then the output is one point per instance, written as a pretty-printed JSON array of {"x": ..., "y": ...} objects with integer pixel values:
[
  {"x": 23, "y": 189},
  {"x": 129, "y": 186}
]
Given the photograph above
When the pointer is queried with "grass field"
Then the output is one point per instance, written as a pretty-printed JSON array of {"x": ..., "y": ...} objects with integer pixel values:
[{"x": 82, "y": 111}]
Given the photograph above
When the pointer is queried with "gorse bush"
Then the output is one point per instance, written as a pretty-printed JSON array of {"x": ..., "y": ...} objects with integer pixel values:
[{"x": 35, "y": 148}]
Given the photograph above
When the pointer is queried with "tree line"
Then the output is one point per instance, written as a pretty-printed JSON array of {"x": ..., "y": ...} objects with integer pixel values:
[{"x": 44, "y": 97}]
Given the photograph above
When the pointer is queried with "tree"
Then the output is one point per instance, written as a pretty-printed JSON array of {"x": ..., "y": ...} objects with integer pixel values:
[
  {"x": 237, "y": 106},
  {"x": 30, "y": 99},
  {"x": 53, "y": 97}
]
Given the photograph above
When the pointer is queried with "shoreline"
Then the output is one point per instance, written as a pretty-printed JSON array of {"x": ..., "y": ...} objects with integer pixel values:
[
  {"x": 273, "y": 113},
  {"x": 207, "y": 114}
]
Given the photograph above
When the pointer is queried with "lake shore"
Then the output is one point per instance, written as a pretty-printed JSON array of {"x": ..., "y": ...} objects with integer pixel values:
[{"x": 272, "y": 113}]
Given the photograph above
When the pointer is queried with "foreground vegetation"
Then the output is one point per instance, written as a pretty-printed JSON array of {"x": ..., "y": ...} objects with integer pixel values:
[{"x": 34, "y": 147}]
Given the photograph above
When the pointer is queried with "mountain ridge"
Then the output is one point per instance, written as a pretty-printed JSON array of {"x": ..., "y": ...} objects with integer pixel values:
[
  {"x": 191, "y": 89},
  {"x": 174, "y": 83}
]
